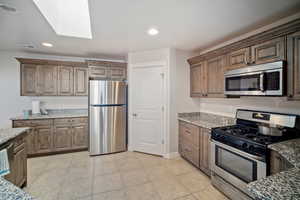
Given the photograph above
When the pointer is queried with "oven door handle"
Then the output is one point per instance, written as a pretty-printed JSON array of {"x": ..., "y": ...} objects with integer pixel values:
[{"x": 247, "y": 155}]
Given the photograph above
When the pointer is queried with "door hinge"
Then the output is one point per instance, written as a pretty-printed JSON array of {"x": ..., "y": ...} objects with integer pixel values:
[
  {"x": 163, "y": 108},
  {"x": 163, "y": 142},
  {"x": 162, "y": 75}
]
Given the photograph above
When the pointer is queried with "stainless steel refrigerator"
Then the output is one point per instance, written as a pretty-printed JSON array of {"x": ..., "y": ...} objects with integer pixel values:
[{"x": 107, "y": 116}]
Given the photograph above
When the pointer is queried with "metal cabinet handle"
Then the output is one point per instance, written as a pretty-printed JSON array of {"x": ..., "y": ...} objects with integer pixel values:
[{"x": 189, "y": 132}]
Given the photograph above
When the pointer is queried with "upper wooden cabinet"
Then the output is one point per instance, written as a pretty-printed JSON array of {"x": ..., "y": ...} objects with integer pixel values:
[
  {"x": 269, "y": 51},
  {"x": 65, "y": 81},
  {"x": 29, "y": 78},
  {"x": 47, "y": 80},
  {"x": 215, "y": 77},
  {"x": 198, "y": 76},
  {"x": 80, "y": 81},
  {"x": 107, "y": 70},
  {"x": 52, "y": 78},
  {"x": 238, "y": 59},
  {"x": 293, "y": 53}
]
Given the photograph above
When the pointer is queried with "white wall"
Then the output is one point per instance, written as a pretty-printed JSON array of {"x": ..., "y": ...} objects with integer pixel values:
[{"x": 11, "y": 103}]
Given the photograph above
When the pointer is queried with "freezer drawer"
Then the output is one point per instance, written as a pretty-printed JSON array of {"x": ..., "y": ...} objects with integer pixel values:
[
  {"x": 103, "y": 92},
  {"x": 107, "y": 129}
]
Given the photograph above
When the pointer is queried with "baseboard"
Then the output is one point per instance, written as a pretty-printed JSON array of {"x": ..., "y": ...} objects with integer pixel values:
[{"x": 171, "y": 155}]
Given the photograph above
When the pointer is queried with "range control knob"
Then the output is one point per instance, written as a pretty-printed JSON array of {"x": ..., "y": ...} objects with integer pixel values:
[
  {"x": 251, "y": 148},
  {"x": 244, "y": 145}
]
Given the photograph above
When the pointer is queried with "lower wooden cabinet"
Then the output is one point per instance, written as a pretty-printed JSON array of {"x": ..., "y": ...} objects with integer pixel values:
[
  {"x": 278, "y": 163},
  {"x": 194, "y": 145},
  {"x": 17, "y": 154},
  {"x": 44, "y": 139},
  {"x": 80, "y": 138},
  {"x": 55, "y": 135},
  {"x": 205, "y": 150}
]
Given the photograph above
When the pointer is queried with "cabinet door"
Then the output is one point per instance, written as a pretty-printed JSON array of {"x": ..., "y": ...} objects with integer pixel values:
[
  {"x": 80, "y": 81},
  {"x": 205, "y": 150},
  {"x": 29, "y": 80},
  {"x": 47, "y": 80},
  {"x": 269, "y": 51},
  {"x": 30, "y": 142},
  {"x": 65, "y": 81},
  {"x": 98, "y": 71},
  {"x": 118, "y": 73},
  {"x": 198, "y": 82},
  {"x": 215, "y": 76},
  {"x": 62, "y": 138},
  {"x": 79, "y": 136},
  {"x": 238, "y": 59},
  {"x": 44, "y": 139},
  {"x": 294, "y": 66},
  {"x": 20, "y": 166}
]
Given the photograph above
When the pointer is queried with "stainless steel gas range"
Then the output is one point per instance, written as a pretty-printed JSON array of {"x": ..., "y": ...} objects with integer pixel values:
[{"x": 240, "y": 152}]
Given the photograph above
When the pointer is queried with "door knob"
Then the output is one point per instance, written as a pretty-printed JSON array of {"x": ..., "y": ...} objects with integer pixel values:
[{"x": 134, "y": 114}]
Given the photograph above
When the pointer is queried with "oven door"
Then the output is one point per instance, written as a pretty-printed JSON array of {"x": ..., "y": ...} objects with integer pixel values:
[
  {"x": 235, "y": 166},
  {"x": 268, "y": 82}
]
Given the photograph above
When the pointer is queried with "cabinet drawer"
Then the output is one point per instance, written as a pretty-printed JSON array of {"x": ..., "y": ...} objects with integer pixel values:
[
  {"x": 80, "y": 120},
  {"x": 190, "y": 152},
  {"x": 190, "y": 133},
  {"x": 62, "y": 121},
  {"x": 31, "y": 123}
]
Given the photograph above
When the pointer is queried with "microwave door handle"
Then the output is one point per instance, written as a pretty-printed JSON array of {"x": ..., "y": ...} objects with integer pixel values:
[{"x": 262, "y": 82}]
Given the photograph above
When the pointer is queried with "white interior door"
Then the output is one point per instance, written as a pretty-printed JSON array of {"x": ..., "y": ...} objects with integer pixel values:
[{"x": 146, "y": 90}]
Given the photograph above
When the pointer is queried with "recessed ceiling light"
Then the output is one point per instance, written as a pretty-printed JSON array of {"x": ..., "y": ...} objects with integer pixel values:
[
  {"x": 153, "y": 31},
  {"x": 46, "y": 44},
  {"x": 7, "y": 8}
]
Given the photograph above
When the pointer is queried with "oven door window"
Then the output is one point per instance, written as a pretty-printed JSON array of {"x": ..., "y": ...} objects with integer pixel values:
[
  {"x": 237, "y": 165},
  {"x": 243, "y": 83}
]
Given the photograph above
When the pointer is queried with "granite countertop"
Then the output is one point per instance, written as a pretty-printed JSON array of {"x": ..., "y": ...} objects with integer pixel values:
[
  {"x": 206, "y": 120},
  {"x": 52, "y": 114},
  {"x": 9, "y": 191},
  {"x": 7, "y": 134},
  {"x": 284, "y": 185}
]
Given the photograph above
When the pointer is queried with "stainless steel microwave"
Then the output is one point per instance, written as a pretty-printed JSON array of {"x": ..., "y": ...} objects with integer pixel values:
[{"x": 259, "y": 80}]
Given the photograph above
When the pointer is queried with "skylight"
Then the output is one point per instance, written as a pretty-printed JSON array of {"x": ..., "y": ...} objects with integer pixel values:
[{"x": 67, "y": 17}]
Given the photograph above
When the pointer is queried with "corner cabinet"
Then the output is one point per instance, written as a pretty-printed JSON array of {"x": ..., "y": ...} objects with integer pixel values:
[
  {"x": 198, "y": 80},
  {"x": 293, "y": 53},
  {"x": 194, "y": 145}
]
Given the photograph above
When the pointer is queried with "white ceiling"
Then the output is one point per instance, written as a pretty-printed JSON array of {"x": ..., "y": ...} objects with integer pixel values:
[{"x": 120, "y": 26}]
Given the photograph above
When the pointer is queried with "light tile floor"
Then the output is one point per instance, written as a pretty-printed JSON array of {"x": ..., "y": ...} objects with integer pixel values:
[{"x": 122, "y": 176}]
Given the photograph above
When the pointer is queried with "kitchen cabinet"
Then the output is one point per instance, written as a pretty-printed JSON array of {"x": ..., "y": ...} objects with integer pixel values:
[
  {"x": 278, "y": 163},
  {"x": 44, "y": 139},
  {"x": 293, "y": 54},
  {"x": 29, "y": 80},
  {"x": 50, "y": 136},
  {"x": 53, "y": 78},
  {"x": 238, "y": 59},
  {"x": 17, "y": 160},
  {"x": 270, "y": 51},
  {"x": 215, "y": 77},
  {"x": 80, "y": 81},
  {"x": 198, "y": 82},
  {"x": 205, "y": 150},
  {"x": 47, "y": 80},
  {"x": 194, "y": 145},
  {"x": 80, "y": 136},
  {"x": 107, "y": 70},
  {"x": 65, "y": 81},
  {"x": 62, "y": 137}
]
